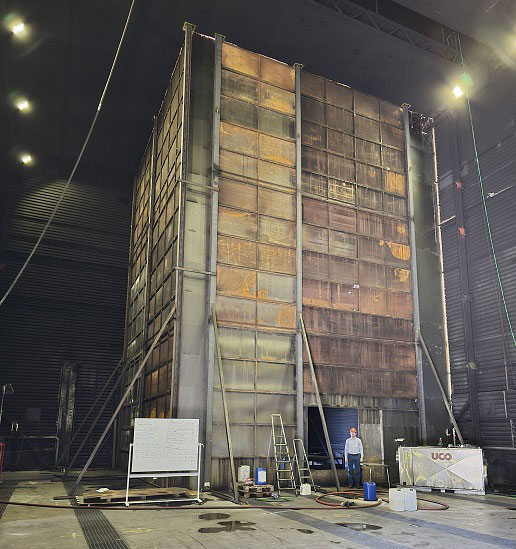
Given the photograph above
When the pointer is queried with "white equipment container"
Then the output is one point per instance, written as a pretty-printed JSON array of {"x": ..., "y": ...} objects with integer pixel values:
[
  {"x": 244, "y": 472},
  {"x": 305, "y": 490},
  {"x": 458, "y": 469},
  {"x": 396, "y": 499},
  {"x": 410, "y": 498}
]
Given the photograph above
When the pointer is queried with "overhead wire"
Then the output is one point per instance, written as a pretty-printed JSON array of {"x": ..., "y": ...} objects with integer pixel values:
[
  {"x": 78, "y": 160},
  {"x": 486, "y": 214}
]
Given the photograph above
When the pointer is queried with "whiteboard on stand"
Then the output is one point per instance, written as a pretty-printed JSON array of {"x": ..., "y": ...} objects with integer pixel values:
[{"x": 163, "y": 445}]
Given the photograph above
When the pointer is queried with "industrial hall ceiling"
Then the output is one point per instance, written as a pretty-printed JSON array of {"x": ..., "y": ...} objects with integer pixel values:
[{"x": 62, "y": 63}]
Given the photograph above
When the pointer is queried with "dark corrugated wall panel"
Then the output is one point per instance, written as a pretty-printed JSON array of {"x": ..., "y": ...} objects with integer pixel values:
[
  {"x": 494, "y": 117},
  {"x": 69, "y": 304}
]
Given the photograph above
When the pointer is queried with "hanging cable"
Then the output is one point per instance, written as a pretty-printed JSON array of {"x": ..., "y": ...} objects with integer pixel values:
[
  {"x": 486, "y": 215},
  {"x": 65, "y": 188}
]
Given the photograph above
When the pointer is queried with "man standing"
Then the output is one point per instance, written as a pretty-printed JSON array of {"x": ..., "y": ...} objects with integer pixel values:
[{"x": 354, "y": 456}]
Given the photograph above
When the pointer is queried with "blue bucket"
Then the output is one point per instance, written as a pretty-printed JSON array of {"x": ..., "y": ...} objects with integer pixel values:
[
  {"x": 369, "y": 491},
  {"x": 260, "y": 475}
]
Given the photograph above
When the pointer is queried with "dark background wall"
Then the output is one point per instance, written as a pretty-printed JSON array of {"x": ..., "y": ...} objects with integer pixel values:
[{"x": 68, "y": 306}]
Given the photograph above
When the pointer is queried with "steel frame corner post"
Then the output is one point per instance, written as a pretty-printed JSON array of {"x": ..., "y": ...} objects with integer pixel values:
[
  {"x": 299, "y": 265},
  {"x": 415, "y": 291},
  {"x": 187, "y": 77},
  {"x": 460, "y": 221},
  {"x": 212, "y": 281}
]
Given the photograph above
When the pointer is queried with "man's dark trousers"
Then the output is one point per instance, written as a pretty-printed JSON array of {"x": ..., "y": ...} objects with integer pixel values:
[{"x": 354, "y": 469}]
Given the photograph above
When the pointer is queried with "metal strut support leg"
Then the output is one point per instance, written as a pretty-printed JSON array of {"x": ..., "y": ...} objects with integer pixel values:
[
  {"x": 319, "y": 404},
  {"x": 225, "y": 405},
  {"x": 121, "y": 403},
  {"x": 441, "y": 388}
]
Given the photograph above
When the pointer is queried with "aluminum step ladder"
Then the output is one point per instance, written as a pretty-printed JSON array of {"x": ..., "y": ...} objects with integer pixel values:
[
  {"x": 304, "y": 472},
  {"x": 282, "y": 461}
]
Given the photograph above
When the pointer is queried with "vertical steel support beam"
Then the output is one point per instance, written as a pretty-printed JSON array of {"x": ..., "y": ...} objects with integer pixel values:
[
  {"x": 413, "y": 266},
  {"x": 148, "y": 253},
  {"x": 319, "y": 404},
  {"x": 212, "y": 281},
  {"x": 299, "y": 264},
  {"x": 187, "y": 69},
  {"x": 464, "y": 284}
]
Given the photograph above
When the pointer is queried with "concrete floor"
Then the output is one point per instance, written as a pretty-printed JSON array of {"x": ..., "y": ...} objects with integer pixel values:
[{"x": 471, "y": 521}]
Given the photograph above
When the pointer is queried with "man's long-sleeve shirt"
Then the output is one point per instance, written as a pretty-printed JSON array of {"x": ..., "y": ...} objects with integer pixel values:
[{"x": 353, "y": 446}]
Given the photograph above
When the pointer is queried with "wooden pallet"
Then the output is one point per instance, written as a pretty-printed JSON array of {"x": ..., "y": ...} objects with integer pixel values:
[
  {"x": 255, "y": 490},
  {"x": 136, "y": 494}
]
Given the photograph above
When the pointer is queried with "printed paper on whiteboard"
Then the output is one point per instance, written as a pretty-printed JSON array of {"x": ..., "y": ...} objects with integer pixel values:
[{"x": 163, "y": 445}]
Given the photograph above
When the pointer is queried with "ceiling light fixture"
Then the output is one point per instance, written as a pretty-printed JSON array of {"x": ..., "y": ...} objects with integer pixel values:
[
  {"x": 18, "y": 28},
  {"x": 457, "y": 92},
  {"x": 26, "y": 159},
  {"x": 22, "y": 104}
]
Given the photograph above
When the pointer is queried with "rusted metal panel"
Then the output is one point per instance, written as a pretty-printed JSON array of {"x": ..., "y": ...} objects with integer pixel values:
[
  {"x": 405, "y": 385},
  {"x": 394, "y": 137},
  {"x": 236, "y": 251},
  {"x": 339, "y": 119},
  {"x": 314, "y": 184},
  {"x": 276, "y": 174},
  {"x": 239, "y": 195},
  {"x": 278, "y": 315},
  {"x": 277, "y": 99},
  {"x": 236, "y": 282},
  {"x": 343, "y": 244},
  {"x": 312, "y": 85},
  {"x": 400, "y": 305},
  {"x": 340, "y": 190},
  {"x": 372, "y": 354},
  {"x": 397, "y": 254},
  {"x": 313, "y": 135},
  {"x": 345, "y": 323},
  {"x": 316, "y": 265},
  {"x": 313, "y": 111},
  {"x": 276, "y": 258},
  {"x": 239, "y": 86},
  {"x": 324, "y": 379},
  {"x": 344, "y": 351},
  {"x": 344, "y": 296},
  {"x": 367, "y": 105},
  {"x": 276, "y": 231},
  {"x": 275, "y": 203},
  {"x": 395, "y": 230},
  {"x": 276, "y": 150},
  {"x": 315, "y": 212},
  {"x": 342, "y": 218},
  {"x": 240, "y": 60},
  {"x": 235, "y": 310},
  {"x": 395, "y": 182},
  {"x": 398, "y": 279},
  {"x": 316, "y": 319},
  {"x": 369, "y": 224},
  {"x": 316, "y": 292},
  {"x": 239, "y": 140},
  {"x": 343, "y": 270},
  {"x": 277, "y": 73},
  {"x": 367, "y": 128},
  {"x": 275, "y": 287},
  {"x": 319, "y": 348},
  {"x": 315, "y": 239},
  {"x": 370, "y": 249},
  {"x": 347, "y": 381},
  {"x": 393, "y": 159},
  {"x": 371, "y": 275},
  {"x": 339, "y": 95},
  {"x": 370, "y": 176},
  {"x": 238, "y": 164},
  {"x": 400, "y": 356},
  {"x": 369, "y": 198},
  {"x": 237, "y": 223},
  {"x": 373, "y": 300},
  {"x": 391, "y": 114},
  {"x": 340, "y": 143},
  {"x": 341, "y": 168}
]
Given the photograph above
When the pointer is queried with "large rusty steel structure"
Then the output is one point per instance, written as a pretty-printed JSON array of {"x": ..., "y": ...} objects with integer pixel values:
[{"x": 268, "y": 192}]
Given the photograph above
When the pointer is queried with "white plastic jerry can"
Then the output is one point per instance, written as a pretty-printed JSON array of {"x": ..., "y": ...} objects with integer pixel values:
[
  {"x": 305, "y": 490},
  {"x": 410, "y": 498},
  {"x": 396, "y": 499}
]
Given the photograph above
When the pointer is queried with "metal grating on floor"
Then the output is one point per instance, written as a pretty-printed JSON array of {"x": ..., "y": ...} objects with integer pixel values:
[
  {"x": 98, "y": 531},
  {"x": 7, "y": 488}
]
